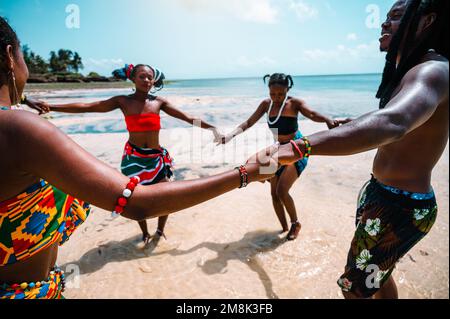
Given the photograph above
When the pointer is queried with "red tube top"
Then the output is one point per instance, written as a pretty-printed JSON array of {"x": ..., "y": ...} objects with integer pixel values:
[{"x": 149, "y": 122}]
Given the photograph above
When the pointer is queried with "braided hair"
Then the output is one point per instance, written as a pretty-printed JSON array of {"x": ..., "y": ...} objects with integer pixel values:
[
  {"x": 129, "y": 73},
  {"x": 280, "y": 79},
  {"x": 413, "y": 50},
  {"x": 7, "y": 37}
]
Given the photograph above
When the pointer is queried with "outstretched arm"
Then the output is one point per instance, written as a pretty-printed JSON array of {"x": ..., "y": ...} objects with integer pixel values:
[
  {"x": 309, "y": 113},
  {"x": 423, "y": 89},
  {"x": 178, "y": 114},
  {"x": 247, "y": 124},
  {"x": 95, "y": 107},
  {"x": 51, "y": 155},
  {"x": 171, "y": 110}
]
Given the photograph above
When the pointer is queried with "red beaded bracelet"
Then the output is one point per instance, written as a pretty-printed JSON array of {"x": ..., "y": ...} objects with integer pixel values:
[
  {"x": 123, "y": 200},
  {"x": 244, "y": 176},
  {"x": 295, "y": 146}
]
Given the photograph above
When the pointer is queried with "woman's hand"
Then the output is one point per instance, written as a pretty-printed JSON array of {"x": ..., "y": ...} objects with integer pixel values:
[
  {"x": 218, "y": 136},
  {"x": 40, "y": 106},
  {"x": 267, "y": 165},
  {"x": 342, "y": 122},
  {"x": 226, "y": 139},
  {"x": 286, "y": 155},
  {"x": 332, "y": 123}
]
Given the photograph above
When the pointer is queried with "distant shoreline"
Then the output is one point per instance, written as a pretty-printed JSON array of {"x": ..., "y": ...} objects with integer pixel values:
[
  {"x": 63, "y": 86},
  {"x": 39, "y": 87},
  {"x": 295, "y": 76}
]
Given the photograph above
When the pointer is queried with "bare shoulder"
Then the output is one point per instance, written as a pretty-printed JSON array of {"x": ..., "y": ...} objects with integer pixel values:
[
  {"x": 297, "y": 101},
  {"x": 162, "y": 102},
  {"x": 433, "y": 73},
  {"x": 265, "y": 104},
  {"x": 120, "y": 98},
  {"x": 19, "y": 123},
  {"x": 160, "y": 99}
]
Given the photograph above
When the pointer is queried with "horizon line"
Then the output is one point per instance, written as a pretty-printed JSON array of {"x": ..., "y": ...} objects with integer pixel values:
[{"x": 253, "y": 77}]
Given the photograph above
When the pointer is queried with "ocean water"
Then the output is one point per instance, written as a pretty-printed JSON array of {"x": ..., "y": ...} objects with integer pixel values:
[{"x": 226, "y": 102}]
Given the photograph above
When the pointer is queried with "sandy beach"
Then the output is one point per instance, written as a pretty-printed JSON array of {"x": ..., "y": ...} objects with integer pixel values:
[
  {"x": 99, "y": 71},
  {"x": 229, "y": 247}
]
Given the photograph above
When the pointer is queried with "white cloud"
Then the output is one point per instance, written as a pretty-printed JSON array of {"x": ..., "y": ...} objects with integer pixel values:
[
  {"x": 257, "y": 11},
  {"x": 340, "y": 59},
  {"x": 102, "y": 66},
  {"x": 341, "y": 52},
  {"x": 260, "y": 11},
  {"x": 303, "y": 10},
  {"x": 352, "y": 37}
]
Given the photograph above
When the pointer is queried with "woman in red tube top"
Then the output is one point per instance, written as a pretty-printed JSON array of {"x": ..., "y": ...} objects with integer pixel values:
[{"x": 143, "y": 155}]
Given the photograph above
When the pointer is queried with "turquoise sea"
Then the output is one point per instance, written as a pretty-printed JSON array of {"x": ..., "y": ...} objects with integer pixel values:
[{"x": 228, "y": 102}]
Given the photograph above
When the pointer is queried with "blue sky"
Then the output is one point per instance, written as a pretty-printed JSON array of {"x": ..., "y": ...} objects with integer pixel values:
[{"x": 190, "y": 39}]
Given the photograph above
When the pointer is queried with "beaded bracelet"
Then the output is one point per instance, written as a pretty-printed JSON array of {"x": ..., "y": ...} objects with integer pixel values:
[
  {"x": 295, "y": 146},
  {"x": 307, "y": 146},
  {"x": 244, "y": 176},
  {"x": 123, "y": 200}
]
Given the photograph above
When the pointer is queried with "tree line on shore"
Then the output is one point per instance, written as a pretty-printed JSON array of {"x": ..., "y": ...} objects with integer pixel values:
[{"x": 62, "y": 66}]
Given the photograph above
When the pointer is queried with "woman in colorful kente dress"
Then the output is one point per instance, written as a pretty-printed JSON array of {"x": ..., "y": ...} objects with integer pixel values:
[{"x": 41, "y": 166}]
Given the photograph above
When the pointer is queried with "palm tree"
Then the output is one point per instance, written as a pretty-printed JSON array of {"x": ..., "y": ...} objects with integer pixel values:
[
  {"x": 36, "y": 64},
  {"x": 76, "y": 63}
]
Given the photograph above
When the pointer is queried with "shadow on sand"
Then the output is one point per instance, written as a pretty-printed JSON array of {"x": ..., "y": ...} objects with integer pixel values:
[{"x": 245, "y": 250}]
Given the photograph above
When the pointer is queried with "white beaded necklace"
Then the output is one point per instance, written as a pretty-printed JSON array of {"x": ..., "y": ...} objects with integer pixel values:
[{"x": 279, "y": 113}]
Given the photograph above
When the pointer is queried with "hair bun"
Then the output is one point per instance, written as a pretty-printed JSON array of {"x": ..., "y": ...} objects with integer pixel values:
[{"x": 124, "y": 73}]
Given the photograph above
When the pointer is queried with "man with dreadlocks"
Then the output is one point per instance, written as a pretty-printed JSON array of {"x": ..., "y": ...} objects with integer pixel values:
[{"x": 397, "y": 207}]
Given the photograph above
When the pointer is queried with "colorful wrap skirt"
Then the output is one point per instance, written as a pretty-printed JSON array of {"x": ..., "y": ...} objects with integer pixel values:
[{"x": 150, "y": 165}]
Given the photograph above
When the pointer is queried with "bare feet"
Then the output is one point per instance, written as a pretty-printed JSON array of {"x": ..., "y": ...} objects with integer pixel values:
[
  {"x": 295, "y": 230},
  {"x": 160, "y": 233},
  {"x": 146, "y": 238}
]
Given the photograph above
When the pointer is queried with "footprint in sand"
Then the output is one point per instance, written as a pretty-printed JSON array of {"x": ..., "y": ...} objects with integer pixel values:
[
  {"x": 145, "y": 269},
  {"x": 424, "y": 253},
  {"x": 156, "y": 245}
]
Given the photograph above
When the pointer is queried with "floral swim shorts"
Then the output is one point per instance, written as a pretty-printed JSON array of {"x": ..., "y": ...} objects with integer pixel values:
[{"x": 389, "y": 222}]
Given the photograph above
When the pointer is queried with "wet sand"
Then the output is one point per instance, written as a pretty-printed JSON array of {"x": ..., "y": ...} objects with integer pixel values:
[{"x": 230, "y": 247}]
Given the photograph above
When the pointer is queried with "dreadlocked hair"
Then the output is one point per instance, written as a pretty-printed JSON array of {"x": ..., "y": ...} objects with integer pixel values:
[
  {"x": 7, "y": 37},
  {"x": 280, "y": 79},
  {"x": 413, "y": 51}
]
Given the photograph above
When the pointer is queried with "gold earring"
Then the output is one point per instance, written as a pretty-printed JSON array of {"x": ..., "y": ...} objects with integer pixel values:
[{"x": 16, "y": 93}]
